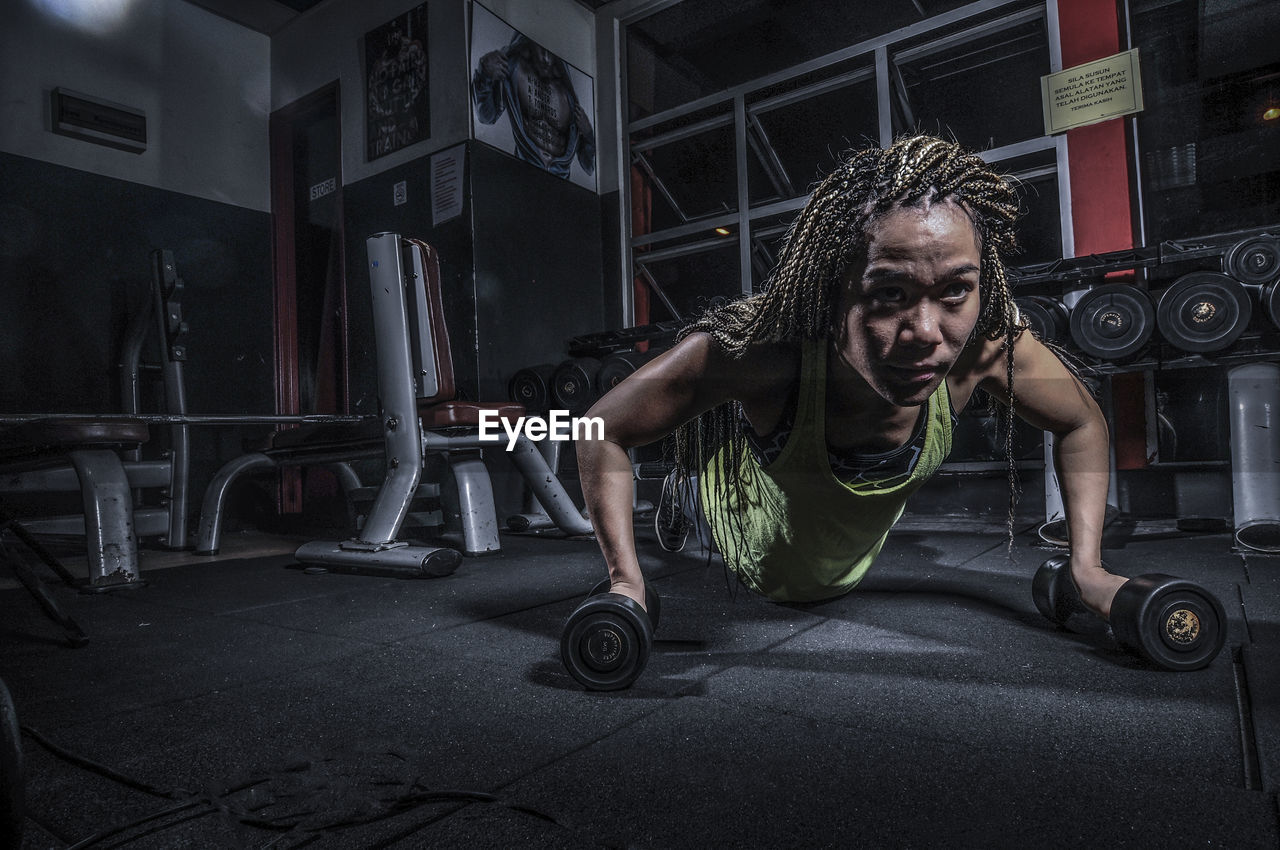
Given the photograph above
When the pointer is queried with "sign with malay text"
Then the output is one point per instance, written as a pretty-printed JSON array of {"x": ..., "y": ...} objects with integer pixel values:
[{"x": 1092, "y": 92}]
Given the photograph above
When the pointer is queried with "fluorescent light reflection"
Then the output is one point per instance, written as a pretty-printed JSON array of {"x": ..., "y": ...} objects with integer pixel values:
[{"x": 95, "y": 16}]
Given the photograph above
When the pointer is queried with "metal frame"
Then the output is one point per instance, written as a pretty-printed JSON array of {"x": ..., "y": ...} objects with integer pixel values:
[{"x": 881, "y": 67}]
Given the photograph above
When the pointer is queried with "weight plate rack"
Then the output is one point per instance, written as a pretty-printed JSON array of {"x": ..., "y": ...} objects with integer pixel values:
[{"x": 1233, "y": 251}]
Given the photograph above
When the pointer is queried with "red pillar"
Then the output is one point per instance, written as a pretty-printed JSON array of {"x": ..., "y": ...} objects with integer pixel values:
[{"x": 1097, "y": 157}]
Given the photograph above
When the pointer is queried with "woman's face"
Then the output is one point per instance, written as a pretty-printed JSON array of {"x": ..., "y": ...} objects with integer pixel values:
[{"x": 912, "y": 307}]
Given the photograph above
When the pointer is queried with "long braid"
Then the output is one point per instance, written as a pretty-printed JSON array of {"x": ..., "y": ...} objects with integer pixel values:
[{"x": 799, "y": 299}]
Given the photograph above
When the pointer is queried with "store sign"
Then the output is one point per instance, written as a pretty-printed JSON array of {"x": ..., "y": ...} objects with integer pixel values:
[{"x": 1092, "y": 92}]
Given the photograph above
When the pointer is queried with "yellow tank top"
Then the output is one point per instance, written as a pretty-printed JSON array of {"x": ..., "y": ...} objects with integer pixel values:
[{"x": 797, "y": 533}]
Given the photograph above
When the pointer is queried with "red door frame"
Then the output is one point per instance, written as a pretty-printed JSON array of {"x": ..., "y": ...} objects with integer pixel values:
[
  {"x": 283, "y": 125},
  {"x": 1101, "y": 203}
]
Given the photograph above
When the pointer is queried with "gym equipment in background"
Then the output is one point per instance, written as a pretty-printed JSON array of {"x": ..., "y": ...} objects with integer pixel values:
[
  {"x": 1269, "y": 297},
  {"x": 1113, "y": 321},
  {"x": 530, "y": 387},
  {"x": 1254, "y": 260},
  {"x": 1253, "y": 392},
  {"x": 573, "y": 386},
  {"x": 1047, "y": 316},
  {"x": 1203, "y": 311},
  {"x": 1175, "y": 624},
  {"x": 618, "y": 366},
  {"x": 422, "y": 419},
  {"x": 606, "y": 641}
]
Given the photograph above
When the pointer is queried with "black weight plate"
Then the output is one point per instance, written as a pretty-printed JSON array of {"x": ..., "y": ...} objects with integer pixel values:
[
  {"x": 616, "y": 367},
  {"x": 1047, "y": 317},
  {"x": 11, "y": 782},
  {"x": 1173, "y": 623},
  {"x": 1053, "y": 591},
  {"x": 573, "y": 384},
  {"x": 1255, "y": 260},
  {"x": 531, "y": 387},
  {"x": 1271, "y": 302},
  {"x": 1113, "y": 321},
  {"x": 605, "y": 643},
  {"x": 1203, "y": 311}
]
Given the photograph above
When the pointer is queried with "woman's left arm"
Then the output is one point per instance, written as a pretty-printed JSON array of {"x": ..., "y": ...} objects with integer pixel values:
[{"x": 1048, "y": 396}]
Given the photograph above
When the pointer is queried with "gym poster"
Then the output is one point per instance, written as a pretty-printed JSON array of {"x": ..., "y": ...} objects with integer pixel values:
[
  {"x": 528, "y": 102},
  {"x": 397, "y": 104}
]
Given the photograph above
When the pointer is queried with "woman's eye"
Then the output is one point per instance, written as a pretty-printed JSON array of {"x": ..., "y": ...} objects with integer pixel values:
[
  {"x": 889, "y": 294},
  {"x": 959, "y": 290}
]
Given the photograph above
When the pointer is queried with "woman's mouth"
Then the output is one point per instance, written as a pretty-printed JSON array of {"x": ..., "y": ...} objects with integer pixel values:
[{"x": 914, "y": 374}]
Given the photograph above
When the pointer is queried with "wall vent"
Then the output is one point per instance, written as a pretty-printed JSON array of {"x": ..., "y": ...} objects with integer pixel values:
[{"x": 93, "y": 120}]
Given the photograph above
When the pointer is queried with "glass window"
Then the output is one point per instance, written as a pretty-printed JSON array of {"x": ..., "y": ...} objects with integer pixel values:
[
  {"x": 976, "y": 80},
  {"x": 1035, "y": 177},
  {"x": 701, "y": 47},
  {"x": 691, "y": 280},
  {"x": 690, "y": 178},
  {"x": 767, "y": 238},
  {"x": 798, "y": 139},
  {"x": 981, "y": 87},
  {"x": 1210, "y": 131}
]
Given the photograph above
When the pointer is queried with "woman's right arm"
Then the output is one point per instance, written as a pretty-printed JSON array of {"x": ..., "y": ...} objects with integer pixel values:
[{"x": 676, "y": 386}]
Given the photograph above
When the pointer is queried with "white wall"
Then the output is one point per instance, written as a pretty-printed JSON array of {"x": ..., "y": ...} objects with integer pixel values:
[
  {"x": 202, "y": 81},
  {"x": 325, "y": 44}
]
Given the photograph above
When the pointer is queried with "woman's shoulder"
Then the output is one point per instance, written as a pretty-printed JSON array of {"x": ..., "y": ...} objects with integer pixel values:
[{"x": 759, "y": 367}]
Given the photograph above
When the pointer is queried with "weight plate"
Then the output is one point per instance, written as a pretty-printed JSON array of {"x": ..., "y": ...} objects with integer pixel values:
[
  {"x": 616, "y": 367},
  {"x": 1203, "y": 311},
  {"x": 606, "y": 641},
  {"x": 1047, "y": 317},
  {"x": 1173, "y": 623},
  {"x": 1254, "y": 260},
  {"x": 1113, "y": 321},
  {"x": 1271, "y": 302},
  {"x": 531, "y": 387},
  {"x": 11, "y": 782},
  {"x": 1046, "y": 590},
  {"x": 573, "y": 384}
]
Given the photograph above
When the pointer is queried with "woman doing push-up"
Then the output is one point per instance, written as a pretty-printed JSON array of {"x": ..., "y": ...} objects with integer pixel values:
[{"x": 811, "y": 411}]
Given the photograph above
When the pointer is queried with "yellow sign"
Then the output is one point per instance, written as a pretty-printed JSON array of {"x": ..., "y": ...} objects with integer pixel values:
[{"x": 1092, "y": 92}]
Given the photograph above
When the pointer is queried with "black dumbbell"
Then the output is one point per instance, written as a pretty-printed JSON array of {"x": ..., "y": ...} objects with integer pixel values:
[
  {"x": 1173, "y": 623},
  {"x": 606, "y": 641},
  {"x": 1055, "y": 594},
  {"x": 11, "y": 793}
]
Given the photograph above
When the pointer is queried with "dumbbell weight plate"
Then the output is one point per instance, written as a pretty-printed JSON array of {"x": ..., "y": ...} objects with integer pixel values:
[
  {"x": 1203, "y": 311},
  {"x": 573, "y": 384},
  {"x": 1254, "y": 260},
  {"x": 11, "y": 783},
  {"x": 1173, "y": 623},
  {"x": 1271, "y": 302},
  {"x": 1054, "y": 592},
  {"x": 1113, "y": 321},
  {"x": 652, "y": 601},
  {"x": 1048, "y": 317},
  {"x": 616, "y": 367},
  {"x": 531, "y": 387},
  {"x": 606, "y": 641}
]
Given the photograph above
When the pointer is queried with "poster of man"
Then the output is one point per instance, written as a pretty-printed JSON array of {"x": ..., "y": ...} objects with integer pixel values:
[
  {"x": 529, "y": 102},
  {"x": 398, "y": 100}
]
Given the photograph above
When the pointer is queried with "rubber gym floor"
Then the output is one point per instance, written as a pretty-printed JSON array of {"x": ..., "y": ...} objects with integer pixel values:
[{"x": 245, "y": 702}]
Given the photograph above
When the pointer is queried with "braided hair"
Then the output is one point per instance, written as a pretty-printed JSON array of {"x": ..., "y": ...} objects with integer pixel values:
[{"x": 801, "y": 297}]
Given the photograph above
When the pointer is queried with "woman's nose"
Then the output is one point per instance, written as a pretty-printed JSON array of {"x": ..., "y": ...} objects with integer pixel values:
[{"x": 921, "y": 326}]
